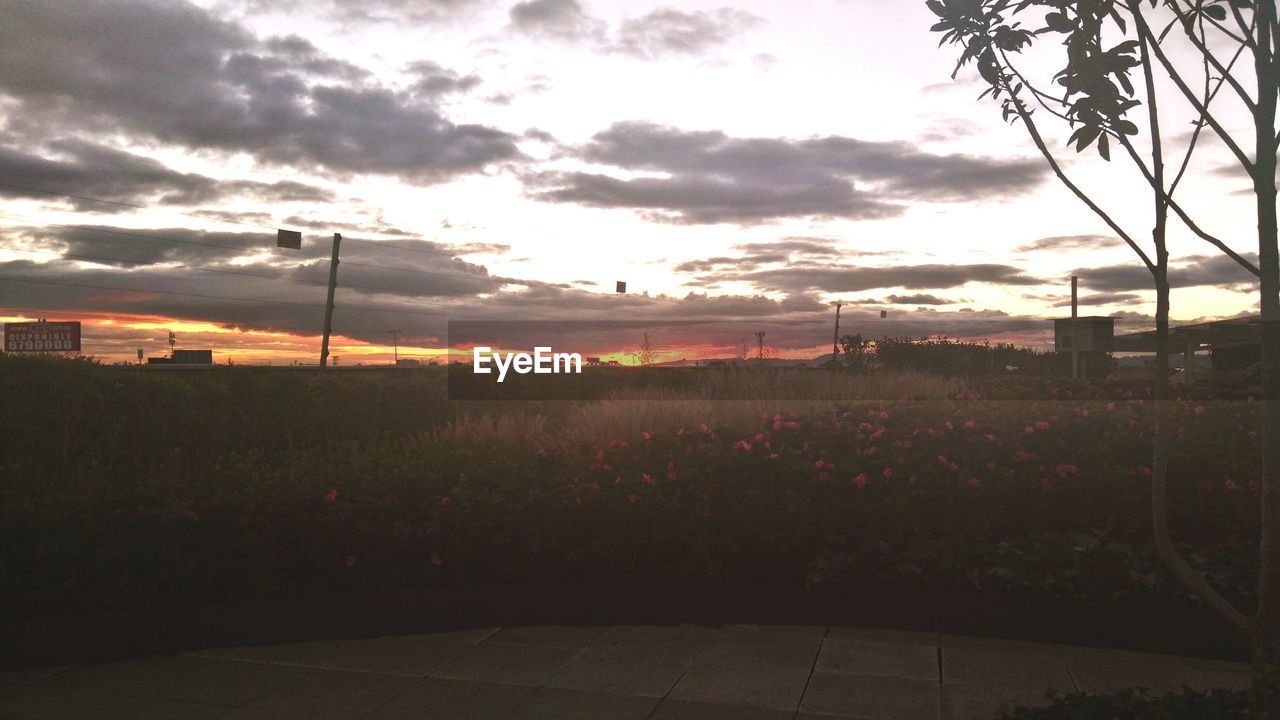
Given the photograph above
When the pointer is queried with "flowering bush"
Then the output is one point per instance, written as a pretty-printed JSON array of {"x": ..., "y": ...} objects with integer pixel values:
[{"x": 1044, "y": 498}]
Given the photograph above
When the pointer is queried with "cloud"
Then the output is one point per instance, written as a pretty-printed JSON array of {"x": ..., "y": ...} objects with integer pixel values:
[
  {"x": 170, "y": 72},
  {"x": 1106, "y": 298},
  {"x": 1070, "y": 242},
  {"x": 917, "y": 299},
  {"x": 709, "y": 177},
  {"x": 858, "y": 279},
  {"x": 668, "y": 31},
  {"x": 96, "y": 171},
  {"x": 432, "y": 80},
  {"x": 372, "y": 11},
  {"x": 558, "y": 19},
  {"x": 1197, "y": 271}
]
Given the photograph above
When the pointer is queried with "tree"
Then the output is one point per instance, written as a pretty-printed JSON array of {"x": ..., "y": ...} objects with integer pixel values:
[
  {"x": 1094, "y": 97},
  {"x": 646, "y": 354},
  {"x": 857, "y": 353}
]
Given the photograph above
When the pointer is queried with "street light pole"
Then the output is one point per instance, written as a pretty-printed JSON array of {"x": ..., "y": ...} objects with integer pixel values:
[
  {"x": 395, "y": 343},
  {"x": 328, "y": 306}
]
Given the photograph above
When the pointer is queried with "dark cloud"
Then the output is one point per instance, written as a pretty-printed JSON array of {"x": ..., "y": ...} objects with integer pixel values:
[
  {"x": 858, "y": 279},
  {"x": 1105, "y": 298},
  {"x": 917, "y": 299},
  {"x": 558, "y": 19},
  {"x": 668, "y": 31},
  {"x": 95, "y": 171},
  {"x": 713, "y": 178},
  {"x": 1198, "y": 271},
  {"x": 372, "y": 11},
  {"x": 173, "y": 73},
  {"x": 1070, "y": 242},
  {"x": 432, "y": 80},
  {"x": 792, "y": 250}
]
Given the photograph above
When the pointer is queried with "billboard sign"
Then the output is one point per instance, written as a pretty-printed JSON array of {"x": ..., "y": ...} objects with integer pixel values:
[{"x": 42, "y": 337}]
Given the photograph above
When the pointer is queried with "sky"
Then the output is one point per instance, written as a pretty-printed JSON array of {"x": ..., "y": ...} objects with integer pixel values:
[{"x": 741, "y": 167}]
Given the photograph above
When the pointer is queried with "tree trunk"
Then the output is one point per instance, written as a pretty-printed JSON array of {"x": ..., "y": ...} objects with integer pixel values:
[{"x": 1267, "y": 636}]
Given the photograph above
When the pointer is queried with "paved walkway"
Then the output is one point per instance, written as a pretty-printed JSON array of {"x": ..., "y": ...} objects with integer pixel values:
[{"x": 600, "y": 673}]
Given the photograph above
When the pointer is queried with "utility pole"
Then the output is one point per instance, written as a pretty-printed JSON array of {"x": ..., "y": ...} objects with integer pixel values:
[
  {"x": 760, "y": 346},
  {"x": 328, "y": 306},
  {"x": 835, "y": 341},
  {"x": 1075, "y": 336},
  {"x": 395, "y": 343}
]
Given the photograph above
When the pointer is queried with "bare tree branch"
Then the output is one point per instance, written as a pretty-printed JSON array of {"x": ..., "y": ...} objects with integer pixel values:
[
  {"x": 1062, "y": 176},
  {"x": 1145, "y": 31},
  {"x": 1246, "y": 28},
  {"x": 1210, "y": 57},
  {"x": 1182, "y": 214}
]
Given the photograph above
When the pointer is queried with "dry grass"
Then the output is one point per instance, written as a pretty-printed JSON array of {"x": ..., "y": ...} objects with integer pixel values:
[{"x": 718, "y": 402}]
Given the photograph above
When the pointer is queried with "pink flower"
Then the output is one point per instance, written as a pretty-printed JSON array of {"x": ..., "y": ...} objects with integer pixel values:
[
  {"x": 437, "y": 560},
  {"x": 446, "y": 501},
  {"x": 777, "y": 426},
  {"x": 645, "y": 435},
  {"x": 1199, "y": 409},
  {"x": 351, "y": 560},
  {"x": 991, "y": 466},
  {"x": 866, "y": 427},
  {"x": 793, "y": 425},
  {"x": 1042, "y": 425},
  {"x": 633, "y": 499},
  {"x": 1111, "y": 406},
  {"x": 888, "y": 472},
  {"x": 861, "y": 480},
  {"x": 671, "y": 474},
  {"x": 1066, "y": 469},
  {"x": 950, "y": 426},
  {"x": 1231, "y": 484},
  {"x": 1206, "y": 485},
  {"x": 970, "y": 423},
  {"x": 1146, "y": 472},
  {"x": 702, "y": 427},
  {"x": 742, "y": 445},
  {"x": 773, "y": 456},
  {"x": 1028, "y": 429},
  {"x": 1084, "y": 412},
  {"x": 1045, "y": 484},
  {"x": 331, "y": 495},
  {"x": 1255, "y": 486},
  {"x": 759, "y": 437},
  {"x": 952, "y": 467},
  {"x": 577, "y": 500},
  {"x": 974, "y": 482},
  {"x": 1252, "y": 434},
  {"x": 942, "y": 459},
  {"x": 644, "y": 478}
]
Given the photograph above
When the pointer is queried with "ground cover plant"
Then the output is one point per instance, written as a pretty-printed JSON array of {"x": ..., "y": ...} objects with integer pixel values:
[{"x": 113, "y": 500}]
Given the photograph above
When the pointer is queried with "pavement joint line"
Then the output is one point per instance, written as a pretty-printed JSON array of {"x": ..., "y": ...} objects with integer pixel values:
[
  {"x": 544, "y": 684},
  {"x": 688, "y": 665},
  {"x": 826, "y": 632}
]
